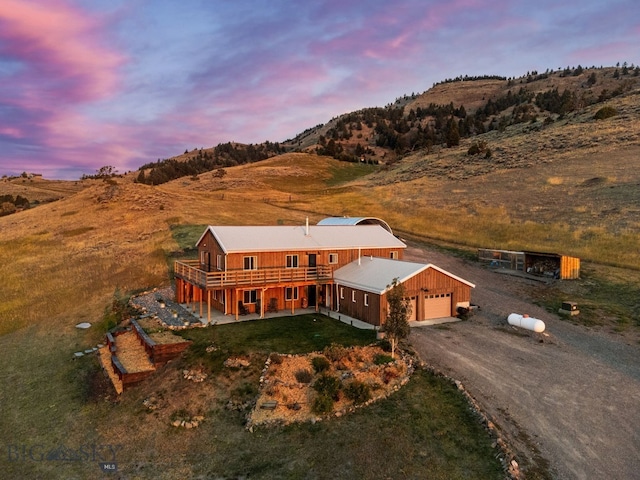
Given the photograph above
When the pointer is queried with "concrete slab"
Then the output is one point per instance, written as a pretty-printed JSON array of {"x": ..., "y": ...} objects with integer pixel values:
[{"x": 434, "y": 321}]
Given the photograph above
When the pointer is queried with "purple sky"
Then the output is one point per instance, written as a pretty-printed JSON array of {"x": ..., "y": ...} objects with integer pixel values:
[{"x": 90, "y": 83}]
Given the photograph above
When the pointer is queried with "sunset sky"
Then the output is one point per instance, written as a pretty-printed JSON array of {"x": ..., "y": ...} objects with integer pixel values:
[{"x": 90, "y": 83}]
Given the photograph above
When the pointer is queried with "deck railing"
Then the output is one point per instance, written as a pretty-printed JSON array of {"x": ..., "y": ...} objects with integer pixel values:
[{"x": 190, "y": 271}]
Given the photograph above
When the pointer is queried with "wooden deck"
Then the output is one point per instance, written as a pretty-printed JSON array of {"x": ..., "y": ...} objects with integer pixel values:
[{"x": 189, "y": 270}]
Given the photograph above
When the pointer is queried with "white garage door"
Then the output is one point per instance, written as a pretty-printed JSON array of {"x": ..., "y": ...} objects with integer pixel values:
[{"x": 437, "y": 306}]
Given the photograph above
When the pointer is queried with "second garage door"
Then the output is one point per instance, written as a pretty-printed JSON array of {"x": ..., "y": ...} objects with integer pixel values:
[{"x": 437, "y": 306}]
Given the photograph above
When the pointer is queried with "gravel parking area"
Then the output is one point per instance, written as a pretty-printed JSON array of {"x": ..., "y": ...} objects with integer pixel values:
[{"x": 565, "y": 400}]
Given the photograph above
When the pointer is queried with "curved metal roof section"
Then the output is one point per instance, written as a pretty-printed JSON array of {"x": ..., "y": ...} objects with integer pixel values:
[{"x": 356, "y": 221}]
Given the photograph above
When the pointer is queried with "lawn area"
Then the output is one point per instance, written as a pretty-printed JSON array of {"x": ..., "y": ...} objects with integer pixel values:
[
  {"x": 425, "y": 430},
  {"x": 296, "y": 334}
]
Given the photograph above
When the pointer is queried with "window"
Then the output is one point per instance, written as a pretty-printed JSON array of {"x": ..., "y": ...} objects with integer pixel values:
[
  {"x": 333, "y": 258},
  {"x": 250, "y": 296},
  {"x": 219, "y": 262},
  {"x": 353, "y": 296},
  {"x": 342, "y": 293},
  {"x": 366, "y": 299},
  {"x": 250, "y": 263},
  {"x": 393, "y": 255},
  {"x": 292, "y": 261},
  {"x": 291, "y": 293}
]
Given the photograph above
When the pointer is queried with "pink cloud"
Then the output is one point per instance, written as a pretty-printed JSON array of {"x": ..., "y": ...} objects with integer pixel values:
[{"x": 60, "y": 43}]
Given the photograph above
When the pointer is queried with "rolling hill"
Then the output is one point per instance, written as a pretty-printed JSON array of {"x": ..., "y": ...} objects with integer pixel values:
[{"x": 570, "y": 184}]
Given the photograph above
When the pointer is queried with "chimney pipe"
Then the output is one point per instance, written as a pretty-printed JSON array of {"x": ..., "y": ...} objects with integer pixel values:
[{"x": 306, "y": 230}]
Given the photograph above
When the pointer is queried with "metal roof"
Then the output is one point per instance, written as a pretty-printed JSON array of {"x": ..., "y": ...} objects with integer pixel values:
[
  {"x": 234, "y": 239},
  {"x": 375, "y": 275},
  {"x": 355, "y": 221}
]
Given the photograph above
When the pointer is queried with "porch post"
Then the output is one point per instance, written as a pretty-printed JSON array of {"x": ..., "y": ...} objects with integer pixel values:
[
  {"x": 200, "y": 295},
  {"x": 194, "y": 297},
  {"x": 208, "y": 307},
  {"x": 235, "y": 301}
]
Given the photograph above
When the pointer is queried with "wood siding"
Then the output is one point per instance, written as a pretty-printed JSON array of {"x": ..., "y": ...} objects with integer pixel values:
[
  {"x": 428, "y": 282},
  {"x": 367, "y": 313},
  {"x": 209, "y": 249}
]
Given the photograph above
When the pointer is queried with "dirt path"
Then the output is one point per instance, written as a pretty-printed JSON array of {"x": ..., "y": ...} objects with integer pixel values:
[{"x": 566, "y": 400}]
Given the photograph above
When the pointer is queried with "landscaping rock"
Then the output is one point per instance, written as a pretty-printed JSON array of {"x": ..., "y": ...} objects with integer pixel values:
[
  {"x": 236, "y": 362},
  {"x": 194, "y": 375}
]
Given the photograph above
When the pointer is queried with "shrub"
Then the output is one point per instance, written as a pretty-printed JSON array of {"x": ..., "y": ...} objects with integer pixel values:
[
  {"x": 303, "y": 376},
  {"x": 357, "y": 391},
  {"x": 322, "y": 405},
  {"x": 479, "y": 148},
  {"x": 385, "y": 345},
  {"x": 320, "y": 364},
  {"x": 276, "y": 358},
  {"x": 390, "y": 374},
  {"x": 327, "y": 385},
  {"x": 605, "y": 112},
  {"x": 335, "y": 352},
  {"x": 381, "y": 359}
]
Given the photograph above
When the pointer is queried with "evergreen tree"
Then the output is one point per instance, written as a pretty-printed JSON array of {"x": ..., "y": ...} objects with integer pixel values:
[
  {"x": 453, "y": 134},
  {"x": 396, "y": 326}
]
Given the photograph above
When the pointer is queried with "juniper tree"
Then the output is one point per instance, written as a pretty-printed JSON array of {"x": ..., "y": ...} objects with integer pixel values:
[{"x": 396, "y": 326}]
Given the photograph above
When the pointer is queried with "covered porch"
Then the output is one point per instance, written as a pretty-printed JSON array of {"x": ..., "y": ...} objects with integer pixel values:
[{"x": 260, "y": 301}]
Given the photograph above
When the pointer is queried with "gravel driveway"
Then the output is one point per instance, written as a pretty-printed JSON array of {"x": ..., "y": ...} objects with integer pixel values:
[{"x": 567, "y": 401}]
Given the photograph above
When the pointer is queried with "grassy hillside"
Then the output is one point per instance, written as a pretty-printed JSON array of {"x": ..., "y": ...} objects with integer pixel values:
[
  {"x": 569, "y": 186},
  {"x": 63, "y": 263}
]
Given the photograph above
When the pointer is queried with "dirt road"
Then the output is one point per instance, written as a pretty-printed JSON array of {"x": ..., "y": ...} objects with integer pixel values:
[{"x": 567, "y": 400}]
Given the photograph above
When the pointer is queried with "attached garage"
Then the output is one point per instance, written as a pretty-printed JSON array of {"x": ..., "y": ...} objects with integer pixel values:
[
  {"x": 362, "y": 288},
  {"x": 436, "y": 306}
]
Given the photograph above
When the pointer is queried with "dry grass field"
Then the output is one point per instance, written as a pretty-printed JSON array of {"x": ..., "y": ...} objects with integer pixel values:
[{"x": 571, "y": 187}]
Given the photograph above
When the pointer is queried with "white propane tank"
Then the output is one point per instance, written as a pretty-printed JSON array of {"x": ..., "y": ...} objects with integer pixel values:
[{"x": 525, "y": 321}]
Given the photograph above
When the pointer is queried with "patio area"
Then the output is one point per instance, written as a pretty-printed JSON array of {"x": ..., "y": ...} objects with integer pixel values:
[{"x": 174, "y": 315}]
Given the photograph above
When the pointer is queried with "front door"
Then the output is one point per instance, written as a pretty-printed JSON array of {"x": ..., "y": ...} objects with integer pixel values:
[{"x": 311, "y": 295}]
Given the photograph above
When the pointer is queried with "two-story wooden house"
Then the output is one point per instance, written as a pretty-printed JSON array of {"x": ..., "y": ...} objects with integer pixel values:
[
  {"x": 260, "y": 269},
  {"x": 255, "y": 269}
]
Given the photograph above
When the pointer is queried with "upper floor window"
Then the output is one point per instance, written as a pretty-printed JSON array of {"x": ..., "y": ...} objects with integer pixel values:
[
  {"x": 353, "y": 296},
  {"x": 393, "y": 255},
  {"x": 333, "y": 258},
  {"x": 366, "y": 299},
  {"x": 292, "y": 261},
  {"x": 250, "y": 263},
  {"x": 219, "y": 262},
  {"x": 342, "y": 293}
]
